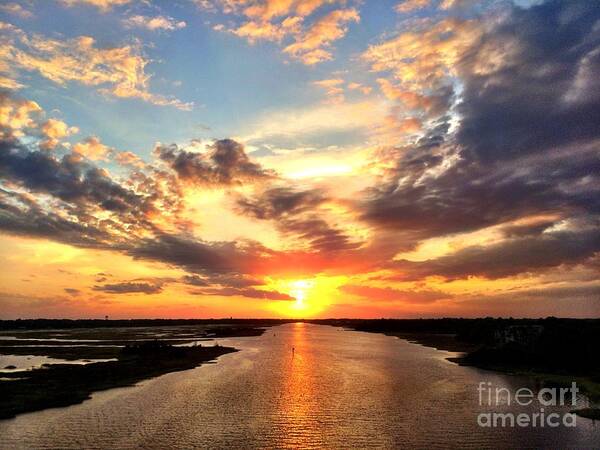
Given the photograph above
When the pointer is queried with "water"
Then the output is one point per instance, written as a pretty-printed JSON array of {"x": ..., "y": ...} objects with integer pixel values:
[
  {"x": 338, "y": 389},
  {"x": 27, "y": 362}
]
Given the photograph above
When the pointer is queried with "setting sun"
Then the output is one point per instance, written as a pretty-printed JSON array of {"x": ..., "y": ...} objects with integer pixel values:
[
  {"x": 299, "y": 291},
  {"x": 311, "y": 296}
]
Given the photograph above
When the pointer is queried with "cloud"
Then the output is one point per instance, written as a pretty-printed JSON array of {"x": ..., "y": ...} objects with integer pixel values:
[
  {"x": 506, "y": 159},
  {"x": 407, "y": 6},
  {"x": 321, "y": 236},
  {"x": 276, "y": 202},
  {"x": 195, "y": 280},
  {"x": 129, "y": 159},
  {"x": 55, "y": 130},
  {"x": 130, "y": 287},
  {"x": 333, "y": 88},
  {"x": 16, "y": 9},
  {"x": 225, "y": 164},
  {"x": 519, "y": 86},
  {"x": 285, "y": 20},
  {"x": 510, "y": 257},
  {"x": 246, "y": 292},
  {"x": 164, "y": 23},
  {"x": 194, "y": 255},
  {"x": 103, "y": 5},
  {"x": 562, "y": 301},
  {"x": 425, "y": 56},
  {"x": 430, "y": 104},
  {"x": 310, "y": 45},
  {"x": 376, "y": 294},
  {"x": 17, "y": 116},
  {"x": 419, "y": 69},
  {"x": 433, "y": 192},
  {"x": 366, "y": 90},
  {"x": 295, "y": 214},
  {"x": 266, "y": 10},
  {"x": 21, "y": 215},
  {"x": 116, "y": 71},
  {"x": 93, "y": 149},
  {"x": 20, "y": 117},
  {"x": 67, "y": 198},
  {"x": 301, "y": 127},
  {"x": 497, "y": 115},
  {"x": 72, "y": 291},
  {"x": 78, "y": 189},
  {"x": 254, "y": 31}
]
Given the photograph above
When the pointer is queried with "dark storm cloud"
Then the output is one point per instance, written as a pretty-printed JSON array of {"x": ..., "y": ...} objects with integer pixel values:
[
  {"x": 523, "y": 230},
  {"x": 540, "y": 90},
  {"x": 512, "y": 257},
  {"x": 528, "y": 142},
  {"x": 130, "y": 287},
  {"x": 22, "y": 216},
  {"x": 469, "y": 196},
  {"x": 226, "y": 164},
  {"x": 69, "y": 179}
]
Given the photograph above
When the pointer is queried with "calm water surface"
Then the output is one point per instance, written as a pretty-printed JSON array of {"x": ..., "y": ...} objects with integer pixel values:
[{"x": 339, "y": 389}]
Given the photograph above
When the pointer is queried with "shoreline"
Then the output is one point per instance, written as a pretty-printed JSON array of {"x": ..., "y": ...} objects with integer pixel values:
[
  {"x": 61, "y": 385},
  {"x": 136, "y": 358},
  {"x": 448, "y": 342}
]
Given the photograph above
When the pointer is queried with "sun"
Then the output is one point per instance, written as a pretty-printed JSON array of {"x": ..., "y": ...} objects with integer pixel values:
[
  {"x": 299, "y": 290},
  {"x": 311, "y": 296}
]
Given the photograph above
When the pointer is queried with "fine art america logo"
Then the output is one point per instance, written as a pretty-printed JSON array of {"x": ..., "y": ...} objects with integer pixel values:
[{"x": 491, "y": 397}]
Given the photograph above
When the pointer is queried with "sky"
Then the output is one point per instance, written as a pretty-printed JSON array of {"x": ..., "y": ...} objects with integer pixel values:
[{"x": 299, "y": 158}]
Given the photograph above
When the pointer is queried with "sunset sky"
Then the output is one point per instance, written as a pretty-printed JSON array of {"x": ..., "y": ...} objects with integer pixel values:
[{"x": 299, "y": 158}]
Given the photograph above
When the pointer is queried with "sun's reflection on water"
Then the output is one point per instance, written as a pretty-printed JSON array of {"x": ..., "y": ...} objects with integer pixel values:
[{"x": 299, "y": 401}]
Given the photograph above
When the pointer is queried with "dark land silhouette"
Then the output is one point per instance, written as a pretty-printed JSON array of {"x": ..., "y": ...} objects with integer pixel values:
[
  {"x": 553, "y": 350},
  {"x": 59, "y": 385}
]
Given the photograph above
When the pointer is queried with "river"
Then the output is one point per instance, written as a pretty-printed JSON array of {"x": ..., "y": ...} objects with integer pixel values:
[{"x": 299, "y": 386}]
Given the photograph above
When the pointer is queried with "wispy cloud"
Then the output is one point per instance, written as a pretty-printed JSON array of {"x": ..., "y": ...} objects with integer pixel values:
[
  {"x": 116, "y": 71},
  {"x": 103, "y": 5},
  {"x": 311, "y": 34},
  {"x": 155, "y": 23}
]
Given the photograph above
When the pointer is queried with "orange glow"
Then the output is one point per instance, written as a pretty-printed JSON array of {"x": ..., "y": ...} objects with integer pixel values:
[
  {"x": 313, "y": 296},
  {"x": 293, "y": 409}
]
